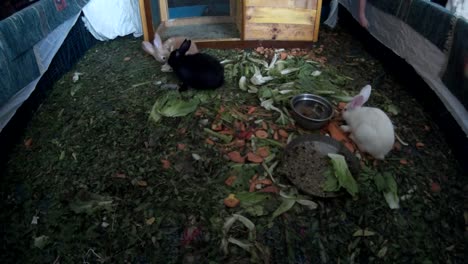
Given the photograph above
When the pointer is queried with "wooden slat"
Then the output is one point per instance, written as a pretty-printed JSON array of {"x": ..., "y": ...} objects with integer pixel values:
[
  {"x": 248, "y": 44},
  {"x": 270, "y": 3},
  {"x": 146, "y": 19},
  {"x": 279, "y": 32},
  {"x": 163, "y": 10},
  {"x": 306, "y": 4},
  {"x": 280, "y": 15},
  {"x": 232, "y": 8},
  {"x": 317, "y": 20},
  {"x": 199, "y": 20},
  {"x": 240, "y": 17},
  {"x": 212, "y": 40}
]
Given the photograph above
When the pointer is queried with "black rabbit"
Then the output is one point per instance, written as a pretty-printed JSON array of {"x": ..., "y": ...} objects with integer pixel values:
[{"x": 199, "y": 71}]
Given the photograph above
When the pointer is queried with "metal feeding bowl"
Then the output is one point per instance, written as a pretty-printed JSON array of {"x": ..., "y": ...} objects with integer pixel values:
[{"x": 311, "y": 111}]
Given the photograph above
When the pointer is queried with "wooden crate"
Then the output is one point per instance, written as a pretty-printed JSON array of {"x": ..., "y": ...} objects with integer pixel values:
[
  {"x": 270, "y": 23},
  {"x": 292, "y": 20}
]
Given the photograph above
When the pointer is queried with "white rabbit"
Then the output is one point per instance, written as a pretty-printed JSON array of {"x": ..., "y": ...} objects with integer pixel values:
[
  {"x": 371, "y": 129},
  {"x": 160, "y": 51}
]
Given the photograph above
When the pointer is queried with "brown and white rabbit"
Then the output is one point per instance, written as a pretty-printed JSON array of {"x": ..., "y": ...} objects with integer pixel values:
[
  {"x": 160, "y": 51},
  {"x": 371, "y": 129}
]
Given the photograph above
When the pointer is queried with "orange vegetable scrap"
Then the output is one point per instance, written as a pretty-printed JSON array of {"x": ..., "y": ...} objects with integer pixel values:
[
  {"x": 251, "y": 110},
  {"x": 420, "y": 145},
  {"x": 263, "y": 152},
  {"x": 276, "y": 136},
  {"x": 216, "y": 127},
  {"x": 28, "y": 142},
  {"x": 261, "y": 133},
  {"x": 231, "y": 201},
  {"x": 181, "y": 146},
  {"x": 221, "y": 109},
  {"x": 209, "y": 141},
  {"x": 230, "y": 180},
  {"x": 236, "y": 157},
  {"x": 435, "y": 187},
  {"x": 341, "y": 105},
  {"x": 166, "y": 164},
  {"x": 239, "y": 142},
  {"x": 254, "y": 158},
  {"x": 254, "y": 183},
  {"x": 338, "y": 134},
  {"x": 397, "y": 146},
  {"x": 283, "y": 133}
]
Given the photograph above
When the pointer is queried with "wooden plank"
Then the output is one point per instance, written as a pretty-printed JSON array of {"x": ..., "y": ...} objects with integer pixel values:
[
  {"x": 244, "y": 8},
  {"x": 232, "y": 8},
  {"x": 279, "y": 32},
  {"x": 213, "y": 40},
  {"x": 163, "y": 10},
  {"x": 306, "y": 4},
  {"x": 317, "y": 20},
  {"x": 146, "y": 19},
  {"x": 248, "y": 44},
  {"x": 280, "y": 15},
  {"x": 270, "y": 3},
  {"x": 240, "y": 17},
  {"x": 199, "y": 21}
]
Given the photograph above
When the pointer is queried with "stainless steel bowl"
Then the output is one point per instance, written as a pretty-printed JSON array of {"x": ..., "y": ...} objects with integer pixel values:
[{"x": 311, "y": 111}]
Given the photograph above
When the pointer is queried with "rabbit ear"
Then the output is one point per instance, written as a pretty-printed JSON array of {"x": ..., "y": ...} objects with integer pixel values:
[
  {"x": 157, "y": 41},
  {"x": 365, "y": 92},
  {"x": 148, "y": 47},
  {"x": 357, "y": 101},
  {"x": 185, "y": 46}
]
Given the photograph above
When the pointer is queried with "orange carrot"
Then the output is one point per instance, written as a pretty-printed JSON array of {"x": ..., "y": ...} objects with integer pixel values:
[
  {"x": 231, "y": 201},
  {"x": 209, "y": 141},
  {"x": 264, "y": 181},
  {"x": 252, "y": 186},
  {"x": 263, "y": 152},
  {"x": 230, "y": 180},
  {"x": 251, "y": 110},
  {"x": 165, "y": 164},
  {"x": 216, "y": 127},
  {"x": 341, "y": 105},
  {"x": 397, "y": 146},
  {"x": 236, "y": 157},
  {"x": 261, "y": 133},
  {"x": 28, "y": 142},
  {"x": 254, "y": 158},
  {"x": 283, "y": 133},
  {"x": 181, "y": 146},
  {"x": 339, "y": 135},
  {"x": 226, "y": 131},
  {"x": 276, "y": 136},
  {"x": 239, "y": 142},
  {"x": 221, "y": 110}
]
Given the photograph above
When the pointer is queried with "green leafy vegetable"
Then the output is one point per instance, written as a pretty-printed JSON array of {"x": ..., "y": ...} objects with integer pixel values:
[
  {"x": 331, "y": 183},
  {"x": 284, "y": 207},
  {"x": 171, "y": 104},
  {"x": 251, "y": 198},
  {"x": 342, "y": 173}
]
